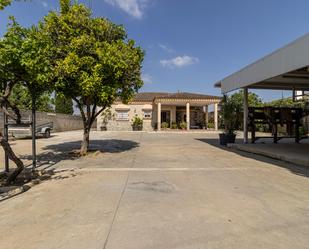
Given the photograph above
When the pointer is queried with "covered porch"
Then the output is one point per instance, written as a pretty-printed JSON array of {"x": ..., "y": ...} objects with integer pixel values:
[
  {"x": 190, "y": 109},
  {"x": 284, "y": 69}
]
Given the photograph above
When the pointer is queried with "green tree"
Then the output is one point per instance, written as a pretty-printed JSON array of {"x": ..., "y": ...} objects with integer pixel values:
[
  {"x": 4, "y": 3},
  {"x": 11, "y": 69},
  {"x": 63, "y": 104},
  {"x": 253, "y": 99},
  {"x": 237, "y": 101},
  {"x": 11, "y": 72},
  {"x": 21, "y": 98},
  {"x": 93, "y": 61},
  {"x": 285, "y": 102},
  {"x": 22, "y": 64}
]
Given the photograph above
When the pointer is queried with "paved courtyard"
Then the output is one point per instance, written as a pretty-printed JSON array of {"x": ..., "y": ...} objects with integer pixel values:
[{"x": 157, "y": 191}]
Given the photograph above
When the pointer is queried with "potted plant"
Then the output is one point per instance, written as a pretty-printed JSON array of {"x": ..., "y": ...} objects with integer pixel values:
[
  {"x": 105, "y": 117},
  {"x": 229, "y": 115},
  {"x": 164, "y": 125},
  {"x": 210, "y": 125},
  {"x": 183, "y": 125},
  {"x": 174, "y": 125},
  {"x": 137, "y": 124}
]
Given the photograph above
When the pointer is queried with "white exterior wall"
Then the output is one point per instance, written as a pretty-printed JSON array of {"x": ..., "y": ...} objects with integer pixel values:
[
  {"x": 149, "y": 124},
  {"x": 126, "y": 125}
]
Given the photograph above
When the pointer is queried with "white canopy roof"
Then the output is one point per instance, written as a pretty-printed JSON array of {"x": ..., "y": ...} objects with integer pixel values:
[{"x": 284, "y": 69}]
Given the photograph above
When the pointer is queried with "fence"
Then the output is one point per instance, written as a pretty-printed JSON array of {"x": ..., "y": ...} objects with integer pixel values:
[{"x": 62, "y": 122}]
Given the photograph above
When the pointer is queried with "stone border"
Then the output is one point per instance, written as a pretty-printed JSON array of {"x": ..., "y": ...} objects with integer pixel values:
[
  {"x": 269, "y": 154},
  {"x": 11, "y": 191},
  {"x": 192, "y": 131}
]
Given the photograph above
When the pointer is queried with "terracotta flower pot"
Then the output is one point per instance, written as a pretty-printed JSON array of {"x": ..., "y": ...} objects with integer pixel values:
[{"x": 227, "y": 138}]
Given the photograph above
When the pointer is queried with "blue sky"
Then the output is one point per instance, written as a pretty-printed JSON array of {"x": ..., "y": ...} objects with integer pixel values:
[{"x": 191, "y": 44}]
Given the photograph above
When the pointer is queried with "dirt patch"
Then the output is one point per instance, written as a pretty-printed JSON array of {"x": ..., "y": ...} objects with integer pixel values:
[{"x": 90, "y": 153}]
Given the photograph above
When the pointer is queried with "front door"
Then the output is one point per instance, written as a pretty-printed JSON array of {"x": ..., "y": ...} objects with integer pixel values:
[{"x": 166, "y": 117}]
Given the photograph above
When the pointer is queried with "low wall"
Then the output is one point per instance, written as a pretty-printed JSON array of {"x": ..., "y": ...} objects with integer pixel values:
[
  {"x": 62, "y": 122},
  {"x": 126, "y": 126}
]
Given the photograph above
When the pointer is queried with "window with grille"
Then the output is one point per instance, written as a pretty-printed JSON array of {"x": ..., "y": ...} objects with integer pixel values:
[
  {"x": 147, "y": 114},
  {"x": 122, "y": 115}
]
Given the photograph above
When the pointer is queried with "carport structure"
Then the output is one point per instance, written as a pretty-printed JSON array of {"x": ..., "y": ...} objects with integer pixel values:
[{"x": 285, "y": 69}]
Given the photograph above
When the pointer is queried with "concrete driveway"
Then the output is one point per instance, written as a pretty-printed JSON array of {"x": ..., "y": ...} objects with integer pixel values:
[{"x": 160, "y": 191}]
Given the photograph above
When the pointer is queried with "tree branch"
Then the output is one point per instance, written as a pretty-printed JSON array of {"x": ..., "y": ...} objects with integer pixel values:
[
  {"x": 95, "y": 115},
  {"x": 16, "y": 111},
  {"x": 8, "y": 89},
  {"x": 81, "y": 109},
  {"x": 12, "y": 156},
  {"x": 94, "y": 107},
  {"x": 4, "y": 102},
  {"x": 99, "y": 112}
]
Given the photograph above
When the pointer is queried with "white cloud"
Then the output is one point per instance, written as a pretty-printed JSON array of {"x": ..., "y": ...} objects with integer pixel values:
[
  {"x": 179, "y": 61},
  {"x": 147, "y": 78},
  {"x": 166, "y": 48},
  {"x": 134, "y": 8}
]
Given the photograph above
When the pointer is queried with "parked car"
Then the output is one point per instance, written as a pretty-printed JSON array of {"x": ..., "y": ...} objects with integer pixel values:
[{"x": 25, "y": 130}]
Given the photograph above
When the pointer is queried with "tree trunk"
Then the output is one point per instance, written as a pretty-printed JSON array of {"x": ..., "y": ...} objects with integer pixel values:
[
  {"x": 33, "y": 129},
  {"x": 88, "y": 119},
  {"x": 11, "y": 155},
  {"x": 85, "y": 142}
]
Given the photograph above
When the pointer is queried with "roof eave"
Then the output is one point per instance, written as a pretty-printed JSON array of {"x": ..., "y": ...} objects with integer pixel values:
[
  {"x": 217, "y": 85},
  {"x": 286, "y": 59}
]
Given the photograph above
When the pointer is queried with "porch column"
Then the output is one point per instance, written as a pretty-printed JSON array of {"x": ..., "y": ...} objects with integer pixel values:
[
  {"x": 206, "y": 117},
  {"x": 173, "y": 115},
  {"x": 159, "y": 117},
  {"x": 245, "y": 115},
  {"x": 216, "y": 116},
  {"x": 188, "y": 115}
]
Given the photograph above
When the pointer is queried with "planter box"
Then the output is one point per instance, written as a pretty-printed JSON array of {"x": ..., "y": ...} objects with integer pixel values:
[
  {"x": 227, "y": 138},
  {"x": 137, "y": 128}
]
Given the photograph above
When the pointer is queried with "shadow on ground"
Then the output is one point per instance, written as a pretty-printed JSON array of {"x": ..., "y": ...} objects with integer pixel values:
[
  {"x": 65, "y": 151},
  {"x": 27, "y": 179},
  {"x": 30, "y": 138},
  {"x": 295, "y": 169},
  {"x": 107, "y": 146}
]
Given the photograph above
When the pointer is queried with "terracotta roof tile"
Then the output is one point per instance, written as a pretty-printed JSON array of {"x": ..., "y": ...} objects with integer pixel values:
[
  {"x": 150, "y": 96},
  {"x": 185, "y": 95}
]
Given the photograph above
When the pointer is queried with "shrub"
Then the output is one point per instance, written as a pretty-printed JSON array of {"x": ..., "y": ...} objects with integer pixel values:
[
  {"x": 164, "y": 125},
  {"x": 302, "y": 131},
  {"x": 211, "y": 125},
  {"x": 230, "y": 112},
  {"x": 183, "y": 125},
  {"x": 174, "y": 125},
  {"x": 137, "y": 123}
]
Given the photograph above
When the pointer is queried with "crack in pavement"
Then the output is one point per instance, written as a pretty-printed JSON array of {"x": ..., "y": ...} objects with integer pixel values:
[{"x": 121, "y": 196}]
